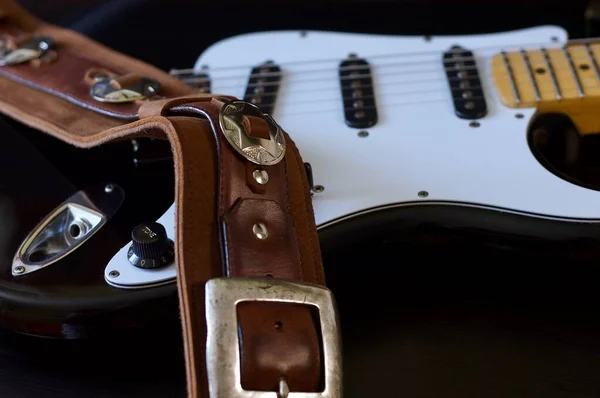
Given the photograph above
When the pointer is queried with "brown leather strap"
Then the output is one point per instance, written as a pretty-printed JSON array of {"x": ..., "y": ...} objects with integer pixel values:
[
  {"x": 277, "y": 340},
  {"x": 53, "y": 93}
]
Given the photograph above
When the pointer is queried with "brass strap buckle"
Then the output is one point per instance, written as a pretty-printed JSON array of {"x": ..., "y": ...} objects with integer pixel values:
[{"x": 222, "y": 348}]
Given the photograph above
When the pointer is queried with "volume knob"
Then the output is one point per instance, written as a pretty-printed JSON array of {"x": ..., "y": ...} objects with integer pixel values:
[{"x": 150, "y": 246}]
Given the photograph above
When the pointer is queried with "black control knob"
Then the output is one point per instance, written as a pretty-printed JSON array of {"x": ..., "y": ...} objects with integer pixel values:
[{"x": 150, "y": 246}]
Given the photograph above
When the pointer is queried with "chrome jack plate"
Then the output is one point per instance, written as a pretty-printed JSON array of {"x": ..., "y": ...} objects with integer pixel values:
[{"x": 67, "y": 227}]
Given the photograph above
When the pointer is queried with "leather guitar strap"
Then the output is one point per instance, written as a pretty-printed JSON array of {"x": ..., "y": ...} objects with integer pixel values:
[{"x": 257, "y": 319}]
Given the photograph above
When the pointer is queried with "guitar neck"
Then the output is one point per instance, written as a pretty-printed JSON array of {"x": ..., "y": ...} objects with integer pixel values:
[{"x": 529, "y": 77}]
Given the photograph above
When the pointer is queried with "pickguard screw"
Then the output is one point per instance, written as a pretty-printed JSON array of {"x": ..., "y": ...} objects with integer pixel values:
[
  {"x": 303, "y": 33},
  {"x": 519, "y": 116},
  {"x": 318, "y": 188},
  {"x": 423, "y": 194},
  {"x": 19, "y": 269},
  {"x": 474, "y": 124},
  {"x": 109, "y": 188},
  {"x": 427, "y": 37},
  {"x": 554, "y": 39},
  {"x": 114, "y": 274},
  {"x": 363, "y": 134}
]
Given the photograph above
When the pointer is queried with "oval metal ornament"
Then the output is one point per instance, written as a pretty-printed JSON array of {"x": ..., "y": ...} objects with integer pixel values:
[
  {"x": 233, "y": 120},
  {"x": 104, "y": 91}
]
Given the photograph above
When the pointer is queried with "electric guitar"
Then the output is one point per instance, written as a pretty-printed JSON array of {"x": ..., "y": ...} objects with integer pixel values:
[
  {"x": 446, "y": 141},
  {"x": 478, "y": 130}
]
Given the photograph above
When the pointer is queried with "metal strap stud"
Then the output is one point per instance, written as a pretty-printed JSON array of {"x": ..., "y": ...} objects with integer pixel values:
[
  {"x": 252, "y": 133},
  {"x": 261, "y": 176},
  {"x": 108, "y": 90},
  {"x": 284, "y": 389},
  {"x": 260, "y": 231}
]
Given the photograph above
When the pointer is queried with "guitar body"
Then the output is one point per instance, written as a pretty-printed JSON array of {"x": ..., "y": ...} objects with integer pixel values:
[
  {"x": 418, "y": 146},
  {"x": 499, "y": 177},
  {"x": 69, "y": 298}
]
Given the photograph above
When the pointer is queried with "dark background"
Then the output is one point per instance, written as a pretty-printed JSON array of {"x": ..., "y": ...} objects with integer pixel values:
[{"x": 416, "y": 323}]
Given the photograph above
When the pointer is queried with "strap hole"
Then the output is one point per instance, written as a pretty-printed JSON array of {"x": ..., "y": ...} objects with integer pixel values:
[{"x": 278, "y": 325}]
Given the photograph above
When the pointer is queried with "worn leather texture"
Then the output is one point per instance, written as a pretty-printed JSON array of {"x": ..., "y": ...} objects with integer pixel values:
[
  {"x": 53, "y": 96},
  {"x": 217, "y": 200}
]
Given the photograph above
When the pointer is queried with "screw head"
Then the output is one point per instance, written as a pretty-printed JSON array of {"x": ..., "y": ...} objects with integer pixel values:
[
  {"x": 423, "y": 194},
  {"x": 519, "y": 116},
  {"x": 19, "y": 269},
  {"x": 261, "y": 176},
  {"x": 363, "y": 134},
  {"x": 114, "y": 274},
  {"x": 318, "y": 188},
  {"x": 260, "y": 231},
  {"x": 109, "y": 188},
  {"x": 474, "y": 124}
]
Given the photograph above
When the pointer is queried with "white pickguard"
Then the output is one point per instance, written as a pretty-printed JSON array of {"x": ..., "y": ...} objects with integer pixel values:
[{"x": 418, "y": 144}]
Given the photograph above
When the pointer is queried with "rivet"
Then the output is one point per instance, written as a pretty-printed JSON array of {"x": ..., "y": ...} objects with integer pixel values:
[
  {"x": 260, "y": 230},
  {"x": 19, "y": 269},
  {"x": 423, "y": 194},
  {"x": 284, "y": 389},
  {"x": 261, "y": 176},
  {"x": 109, "y": 188},
  {"x": 363, "y": 133},
  {"x": 114, "y": 274},
  {"x": 318, "y": 188}
]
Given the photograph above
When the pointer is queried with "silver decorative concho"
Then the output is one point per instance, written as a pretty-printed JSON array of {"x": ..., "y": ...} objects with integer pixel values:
[{"x": 260, "y": 151}]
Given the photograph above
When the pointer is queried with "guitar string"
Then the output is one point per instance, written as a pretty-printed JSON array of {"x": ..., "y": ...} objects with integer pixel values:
[
  {"x": 342, "y": 109},
  {"x": 379, "y": 56},
  {"x": 519, "y": 75},
  {"x": 195, "y": 79}
]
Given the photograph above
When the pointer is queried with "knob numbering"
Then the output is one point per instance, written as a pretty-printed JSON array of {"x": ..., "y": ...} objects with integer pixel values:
[{"x": 150, "y": 246}]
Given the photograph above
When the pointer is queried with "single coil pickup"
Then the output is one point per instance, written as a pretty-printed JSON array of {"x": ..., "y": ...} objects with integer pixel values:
[
  {"x": 358, "y": 97},
  {"x": 464, "y": 83},
  {"x": 196, "y": 80},
  {"x": 263, "y": 85}
]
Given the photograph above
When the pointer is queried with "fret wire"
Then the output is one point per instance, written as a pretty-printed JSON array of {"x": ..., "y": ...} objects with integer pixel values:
[
  {"x": 590, "y": 53},
  {"x": 574, "y": 72},
  {"x": 530, "y": 74},
  {"x": 552, "y": 74},
  {"x": 513, "y": 83}
]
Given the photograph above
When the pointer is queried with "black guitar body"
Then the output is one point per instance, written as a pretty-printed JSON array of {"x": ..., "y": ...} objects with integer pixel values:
[{"x": 70, "y": 298}]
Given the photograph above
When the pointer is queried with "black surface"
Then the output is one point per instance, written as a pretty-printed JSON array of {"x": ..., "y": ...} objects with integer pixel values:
[{"x": 447, "y": 323}]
